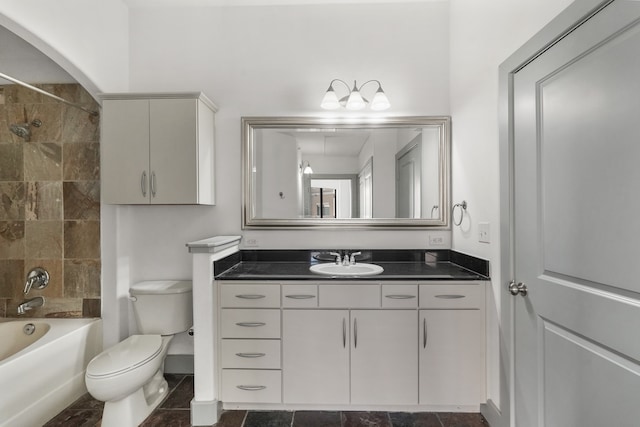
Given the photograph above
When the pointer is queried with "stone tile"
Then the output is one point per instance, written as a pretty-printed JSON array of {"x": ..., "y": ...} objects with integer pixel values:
[
  {"x": 81, "y": 239},
  {"x": 3, "y": 307},
  {"x": 82, "y": 278},
  {"x": 12, "y": 239},
  {"x": 42, "y": 161},
  {"x": 11, "y": 162},
  {"x": 50, "y": 116},
  {"x": 418, "y": 419},
  {"x": 455, "y": 419},
  {"x": 11, "y": 277},
  {"x": 43, "y": 200},
  {"x": 16, "y": 94},
  {"x": 268, "y": 419},
  {"x": 231, "y": 419},
  {"x": 43, "y": 239},
  {"x": 317, "y": 419},
  {"x": 79, "y": 125},
  {"x": 12, "y": 200},
  {"x": 168, "y": 417},
  {"x": 365, "y": 419},
  {"x": 82, "y": 200},
  {"x": 55, "y": 287},
  {"x": 173, "y": 380},
  {"x": 87, "y": 402},
  {"x": 76, "y": 418},
  {"x": 81, "y": 162},
  {"x": 91, "y": 307},
  {"x": 181, "y": 396}
]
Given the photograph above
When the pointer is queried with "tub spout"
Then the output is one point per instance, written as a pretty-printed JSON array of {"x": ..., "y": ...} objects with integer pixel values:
[{"x": 30, "y": 304}]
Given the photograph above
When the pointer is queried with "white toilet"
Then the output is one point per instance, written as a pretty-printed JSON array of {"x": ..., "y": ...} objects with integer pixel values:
[{"x": 128, "y": 377}]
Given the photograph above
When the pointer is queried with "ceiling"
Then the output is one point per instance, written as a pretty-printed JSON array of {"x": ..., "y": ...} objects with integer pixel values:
[{"x": 20, "y": 60}]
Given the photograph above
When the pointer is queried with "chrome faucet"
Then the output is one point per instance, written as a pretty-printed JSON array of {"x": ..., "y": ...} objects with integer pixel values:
[
  {"x": 352, "y": 261},
  {"x": 337, "y": 255},
  {"x": 38, "y": 278},
  {"x": 30, "y": 304}
]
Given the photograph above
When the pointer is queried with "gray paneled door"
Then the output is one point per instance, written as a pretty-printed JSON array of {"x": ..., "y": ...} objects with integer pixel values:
[{"x": 577, "y": 226}]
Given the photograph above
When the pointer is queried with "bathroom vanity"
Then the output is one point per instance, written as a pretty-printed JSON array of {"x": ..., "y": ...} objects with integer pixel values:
[{"x": 410, "y": 338}]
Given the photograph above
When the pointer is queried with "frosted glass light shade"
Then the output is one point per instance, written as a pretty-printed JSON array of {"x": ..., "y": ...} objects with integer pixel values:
[
  {"x": 330, "y": 100},
  {"x": 380, "y": 101},
  {"x": 355, "y": 101}
]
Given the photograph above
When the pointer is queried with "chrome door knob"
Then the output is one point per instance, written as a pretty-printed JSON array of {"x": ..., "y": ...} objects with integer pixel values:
[{"x": 518, "y": 288}]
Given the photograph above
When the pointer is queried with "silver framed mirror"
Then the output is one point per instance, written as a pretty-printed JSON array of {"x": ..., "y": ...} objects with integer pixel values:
[{"x": 311, "y": 172}]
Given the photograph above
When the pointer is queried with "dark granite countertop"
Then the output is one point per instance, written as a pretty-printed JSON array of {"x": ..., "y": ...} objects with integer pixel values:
[{"x": 397, "y": 264}]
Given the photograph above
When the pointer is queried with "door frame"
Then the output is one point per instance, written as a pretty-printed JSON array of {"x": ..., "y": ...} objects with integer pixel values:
[{"x": 570, "y": 18}]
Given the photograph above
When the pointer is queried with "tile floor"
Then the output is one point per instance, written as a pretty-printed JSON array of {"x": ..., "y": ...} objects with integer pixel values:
[{"x": 174, "y": 412}]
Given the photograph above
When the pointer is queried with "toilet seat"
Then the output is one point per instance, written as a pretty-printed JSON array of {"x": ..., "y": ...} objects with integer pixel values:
[{"x": 125, "y": 356}]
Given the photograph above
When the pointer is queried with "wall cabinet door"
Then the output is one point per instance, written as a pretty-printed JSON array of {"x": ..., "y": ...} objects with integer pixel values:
[
  {"x": 158, "y": 150},
  {"x": 315, "y": 356},
  {"x": 384, "y": 357},
  {"x": 452, "y": 361}
]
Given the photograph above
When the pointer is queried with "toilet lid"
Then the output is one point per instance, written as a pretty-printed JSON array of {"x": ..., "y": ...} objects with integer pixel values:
[{"x": 125, "y": 356}]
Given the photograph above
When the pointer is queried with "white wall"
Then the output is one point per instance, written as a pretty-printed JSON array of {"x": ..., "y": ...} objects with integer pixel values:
[
  {"x": 483, "y": 34},
  {"x": 89, "y": 39}
]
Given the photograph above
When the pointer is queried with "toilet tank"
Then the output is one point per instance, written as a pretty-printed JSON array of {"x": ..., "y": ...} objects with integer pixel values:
[{"x": 162, "y": 307}]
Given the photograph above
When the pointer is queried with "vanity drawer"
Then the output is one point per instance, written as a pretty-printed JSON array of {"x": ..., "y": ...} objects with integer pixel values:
[
  {"x": 299, "y": 296},
  {"x": 248, "y": 323},
  {"x": 251, "y": 386},
  {"x": 250, "y": 295},
  {"x": 399, "y": 296},
  {"x": 451, "y": 296},
  {"x": 349, "y": 295},
  {"x": 250, "y": 354}
]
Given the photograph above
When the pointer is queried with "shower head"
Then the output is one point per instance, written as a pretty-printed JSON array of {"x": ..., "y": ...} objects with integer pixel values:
[{"x": 23, "y": 130}]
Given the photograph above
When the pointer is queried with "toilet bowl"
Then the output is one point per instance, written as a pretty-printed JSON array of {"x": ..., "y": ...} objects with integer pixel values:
[{"x": 128, "y": 377}]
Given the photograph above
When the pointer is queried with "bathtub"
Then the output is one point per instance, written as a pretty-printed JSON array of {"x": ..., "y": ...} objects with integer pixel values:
[{"x": 43, "y": 373}]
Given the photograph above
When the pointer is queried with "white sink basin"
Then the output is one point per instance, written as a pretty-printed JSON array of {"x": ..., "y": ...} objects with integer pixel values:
[{"x": 330, "y": 269}]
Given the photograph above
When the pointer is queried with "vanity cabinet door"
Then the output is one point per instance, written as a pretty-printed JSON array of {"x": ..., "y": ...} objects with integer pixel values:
[
  {"x": 315, "y": 356},
  {"x": 452, "y": 361},
  {"x": 384, "y": 357}
]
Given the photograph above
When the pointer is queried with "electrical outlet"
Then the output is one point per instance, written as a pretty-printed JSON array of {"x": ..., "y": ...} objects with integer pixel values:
[
  {"x": 484, "y": 232},
  {"x": 251, "y": 243},
  {"x": 436, "y": 240}
]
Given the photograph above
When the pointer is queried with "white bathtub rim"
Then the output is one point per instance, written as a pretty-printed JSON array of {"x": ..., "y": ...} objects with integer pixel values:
[{"x": 60, "y": 327}]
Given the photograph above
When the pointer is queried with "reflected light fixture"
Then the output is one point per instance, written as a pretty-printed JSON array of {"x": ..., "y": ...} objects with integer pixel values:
[
  {"x": 354, "y": 100},
  {"x": 306, "y": 170}
]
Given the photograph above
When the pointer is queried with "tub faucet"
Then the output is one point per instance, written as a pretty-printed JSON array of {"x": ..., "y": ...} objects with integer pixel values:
[{"x": 30, "y": 304}]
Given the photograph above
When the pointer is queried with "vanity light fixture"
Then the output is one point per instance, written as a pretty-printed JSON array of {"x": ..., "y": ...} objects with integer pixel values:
[
  {"x": 306, "y": 170},
  {"x": 354, "y": 100}
]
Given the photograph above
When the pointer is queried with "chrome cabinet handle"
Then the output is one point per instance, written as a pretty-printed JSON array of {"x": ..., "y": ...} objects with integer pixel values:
[
  {"x": 344, "y": 333},
  {"x": 355, "y": 333},
  {"x": 250, "y": 324},
  {"x": 252, "y": 387},
  {"x": 250, "y": 296},
  {"x": 143, "y": 183},
  {"x": 251, "y": 355},
  {"x": 153, "y": 184},
  {"x": 424, "y": 332},
  {"x": 450, "y": 296},
  {"x": 301, "y": 296},
  {"x": 400, "y": 296}
]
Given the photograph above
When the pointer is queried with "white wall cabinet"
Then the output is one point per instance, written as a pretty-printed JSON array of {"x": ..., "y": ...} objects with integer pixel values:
[{"x": 158, "y": 149}]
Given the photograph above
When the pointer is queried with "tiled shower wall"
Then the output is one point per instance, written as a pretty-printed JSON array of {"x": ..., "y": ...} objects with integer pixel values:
[{"x": 50, "y": 201}]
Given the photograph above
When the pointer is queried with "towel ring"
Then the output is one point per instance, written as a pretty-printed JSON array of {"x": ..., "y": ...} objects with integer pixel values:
[{"x": 463, "y": 207}]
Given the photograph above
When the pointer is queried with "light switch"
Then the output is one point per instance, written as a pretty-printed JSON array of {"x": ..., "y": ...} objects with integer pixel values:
[{"x": 484, "y": 235}]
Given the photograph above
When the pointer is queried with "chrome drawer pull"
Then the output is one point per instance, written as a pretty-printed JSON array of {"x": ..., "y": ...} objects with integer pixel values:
[
  {"x": 251, "y": 355},
  {"x": 424, "y": 333},
  {"x": 250, "y": 296},
  {"x": 252, "y": 387},
  {"x": 450, "y": 296},
  {"x": 250, "y": 324},
  {"x": 400, "y": 296},
  {"x": 301, "y": 296}
]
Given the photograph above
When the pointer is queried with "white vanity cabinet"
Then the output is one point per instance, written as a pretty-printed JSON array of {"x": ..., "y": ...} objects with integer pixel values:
[
  {"x": 452, "y": 344},
  {"x": 157, "y": 148},
  {"x": 357, "y": 344}
]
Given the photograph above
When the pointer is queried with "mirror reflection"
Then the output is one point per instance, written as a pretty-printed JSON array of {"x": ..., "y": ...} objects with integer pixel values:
[{"x": 307, "y": 171}]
